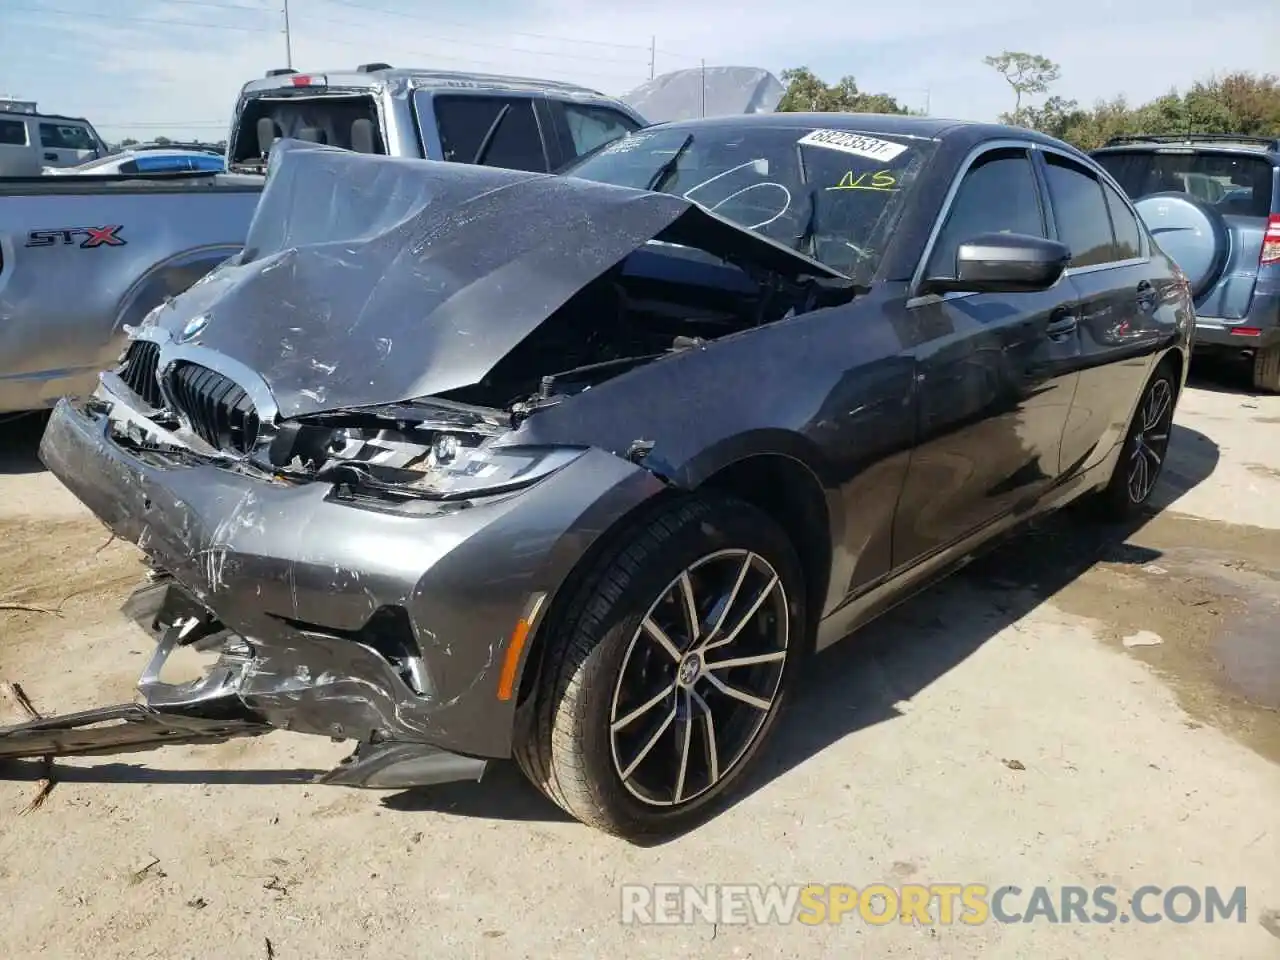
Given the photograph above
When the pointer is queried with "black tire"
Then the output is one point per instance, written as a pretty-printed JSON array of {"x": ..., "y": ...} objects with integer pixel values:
[
  {"x": 567, "y": 747},
  {"x": 1266, "y": 370},
  {"x": 1121, "y": 499}
]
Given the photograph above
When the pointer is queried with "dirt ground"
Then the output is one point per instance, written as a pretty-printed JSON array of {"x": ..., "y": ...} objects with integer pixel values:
[{"x": 1081, "y": 707}]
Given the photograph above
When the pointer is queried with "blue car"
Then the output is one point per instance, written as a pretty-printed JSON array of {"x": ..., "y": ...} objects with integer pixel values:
[
  {"x": 132, "y": 162},
  {"x": 1212, "y": 202}
]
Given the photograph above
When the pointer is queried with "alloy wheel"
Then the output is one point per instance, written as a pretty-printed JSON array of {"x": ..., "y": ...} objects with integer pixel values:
[
  {"x": 699, "y": 678},
  {"x": 1151, "y": 440}
]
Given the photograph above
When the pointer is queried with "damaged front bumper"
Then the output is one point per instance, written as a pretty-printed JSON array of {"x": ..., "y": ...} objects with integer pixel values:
[{"x": 337, "y": 618}]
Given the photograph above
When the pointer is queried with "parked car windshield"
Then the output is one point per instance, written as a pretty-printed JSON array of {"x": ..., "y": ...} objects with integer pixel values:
[{"x": 831, "y": 194}]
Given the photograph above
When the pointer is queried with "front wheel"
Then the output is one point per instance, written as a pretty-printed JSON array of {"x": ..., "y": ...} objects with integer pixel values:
[
  {"x": 667, "y": 671},
  {"x": 1145, "y": 448}
]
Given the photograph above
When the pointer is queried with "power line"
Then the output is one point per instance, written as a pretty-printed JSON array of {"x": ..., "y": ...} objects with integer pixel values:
[
  {"x": 158, "y": 125},
  {"x": 351, "y": 43},
  {"x": 466, "y": 43},
  {"x": 217, "y": 5},
  {"x": 473, "y": 61},
  {"x": 468, "y": 26},
  {"x": 115, "y": 18}
]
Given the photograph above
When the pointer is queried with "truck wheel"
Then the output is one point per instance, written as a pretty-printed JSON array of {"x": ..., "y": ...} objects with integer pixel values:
[
  {"x": 1145, "y": 446},
  {"x": 1266, "y": 370},
  {"x": 667, "y": 671}
]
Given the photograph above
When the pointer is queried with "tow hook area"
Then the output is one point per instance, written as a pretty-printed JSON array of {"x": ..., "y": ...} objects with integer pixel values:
[
  {"x": 206, "y": 710},
  {"x": 213, "y": 709}
]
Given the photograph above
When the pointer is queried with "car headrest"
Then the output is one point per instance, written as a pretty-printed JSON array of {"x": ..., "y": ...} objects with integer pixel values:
[
  {"x": 267, "y": 134},
  {"x": 362, "y": 136}
]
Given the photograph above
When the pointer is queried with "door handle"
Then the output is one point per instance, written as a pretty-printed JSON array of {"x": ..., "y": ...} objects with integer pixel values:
[
  {"x": 1062, "y": 325},
  {"x": 51, "y": 156}
]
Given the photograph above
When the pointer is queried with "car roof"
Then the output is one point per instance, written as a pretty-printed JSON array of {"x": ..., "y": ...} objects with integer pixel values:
[
  {"x": 889, "y": 124},
  {"x": 426, "y": 78},
  {"x": 12, "y": 114},
  {"x": 1217, "y": 142}
]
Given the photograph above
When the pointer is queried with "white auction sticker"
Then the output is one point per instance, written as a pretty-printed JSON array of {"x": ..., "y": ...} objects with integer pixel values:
[
  {"x": 858, "y": 144},
  {"x": 628, "y": 143}
]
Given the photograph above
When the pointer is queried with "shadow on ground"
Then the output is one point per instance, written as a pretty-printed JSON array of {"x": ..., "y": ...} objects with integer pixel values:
[
  {"x": 856, "y": 684},
  {"x": 849, "y": 687},
  {"x": 1220, "y": 374},
  {"x": 19, "y": 441}
]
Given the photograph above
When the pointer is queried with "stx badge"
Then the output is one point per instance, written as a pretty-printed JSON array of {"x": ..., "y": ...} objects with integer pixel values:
[{"x": 84, "y": 237}]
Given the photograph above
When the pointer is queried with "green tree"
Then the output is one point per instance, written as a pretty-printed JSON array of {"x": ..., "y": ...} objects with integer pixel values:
[
  {"x": 1026, "y": 73},
  {"x": 1055, "y": 118},
  {"x": 807, "y": 93}
]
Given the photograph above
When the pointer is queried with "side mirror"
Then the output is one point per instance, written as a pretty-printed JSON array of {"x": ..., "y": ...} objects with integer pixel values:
[{"x": 1004, "y": 263}]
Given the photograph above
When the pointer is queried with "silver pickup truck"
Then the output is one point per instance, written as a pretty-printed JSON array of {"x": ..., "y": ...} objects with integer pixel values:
[{"x": 81, "y": 257}]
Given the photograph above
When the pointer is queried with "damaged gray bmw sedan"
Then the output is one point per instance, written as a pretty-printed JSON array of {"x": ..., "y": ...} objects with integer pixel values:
[{"x": 462, "y": 464}]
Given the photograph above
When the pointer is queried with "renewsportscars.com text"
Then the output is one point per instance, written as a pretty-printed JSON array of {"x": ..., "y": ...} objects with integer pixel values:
[{"x": 927, "y": 904}]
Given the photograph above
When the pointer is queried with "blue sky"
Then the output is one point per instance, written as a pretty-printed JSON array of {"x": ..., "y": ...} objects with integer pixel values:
[{"x": 151, "y": 67}]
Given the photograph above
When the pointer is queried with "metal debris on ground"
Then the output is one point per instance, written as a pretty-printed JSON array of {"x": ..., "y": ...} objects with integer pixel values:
[
  {"x": 45, "y": 785},
  {"x": 147, "y": 870},
  {"x": 27, "y": 607},
  {"x": 1143, "y": 638}
]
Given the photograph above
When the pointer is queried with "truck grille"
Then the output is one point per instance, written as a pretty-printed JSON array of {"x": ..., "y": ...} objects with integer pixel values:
[
  {"x": 139, "y": 370},
  {"x": 218, "y": 409}
]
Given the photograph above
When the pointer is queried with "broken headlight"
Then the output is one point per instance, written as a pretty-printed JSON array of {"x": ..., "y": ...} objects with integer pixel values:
[
  {"x": 451, "y": 470},
  {"x": 429, "y": 461}
]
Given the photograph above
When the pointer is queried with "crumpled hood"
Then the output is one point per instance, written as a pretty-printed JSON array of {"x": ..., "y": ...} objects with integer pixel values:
[{"x": 367, "y": 279}]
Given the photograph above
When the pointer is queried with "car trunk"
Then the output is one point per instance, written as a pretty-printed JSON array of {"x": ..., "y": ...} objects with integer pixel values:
[
  {"x": 1237, "y": 186},
  {"x": 347, "y": 120}
]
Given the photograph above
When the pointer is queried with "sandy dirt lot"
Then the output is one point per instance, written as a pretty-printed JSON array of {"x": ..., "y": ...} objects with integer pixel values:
[{"x": 1081, "y": 707}]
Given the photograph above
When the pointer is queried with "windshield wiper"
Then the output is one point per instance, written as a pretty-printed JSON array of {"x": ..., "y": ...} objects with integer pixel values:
[
  {"x": 808, "y": 235},
  {"x": 664, "y": 172}
]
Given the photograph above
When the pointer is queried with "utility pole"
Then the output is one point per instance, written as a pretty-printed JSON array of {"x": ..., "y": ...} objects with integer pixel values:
[
  {"x": 926, "y": 101},
  {"x": 704, "y": 88},
  {"x": 653, "y": 55},
  {"x": 288, "y": 38}
]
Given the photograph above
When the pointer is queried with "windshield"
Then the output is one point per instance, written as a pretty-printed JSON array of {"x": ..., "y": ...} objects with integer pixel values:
[{"x": 831, "y": 194}]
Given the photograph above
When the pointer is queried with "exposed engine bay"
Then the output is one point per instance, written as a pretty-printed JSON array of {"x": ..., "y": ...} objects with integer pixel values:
[{"x": 661, "y": 300}]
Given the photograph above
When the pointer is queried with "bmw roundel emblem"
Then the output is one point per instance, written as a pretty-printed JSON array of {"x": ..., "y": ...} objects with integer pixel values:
[{"x": 193, "y": 328}]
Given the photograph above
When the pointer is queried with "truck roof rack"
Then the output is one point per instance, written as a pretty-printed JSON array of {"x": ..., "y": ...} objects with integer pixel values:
[
  {"x": 1271, "y": 143},
  {"x": 371, "y": 67}
]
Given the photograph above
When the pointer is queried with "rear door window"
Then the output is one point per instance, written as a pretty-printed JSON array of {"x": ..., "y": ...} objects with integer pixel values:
[
  {"x": 590, "y": 126},
  {"x": 1125, "y": 225},
  {"x": 65, "y": 136},
  {"x": 13, "y": 133},
  {"x": 508, "y": 124},
  {"x": 1080, "y": 210},
  {"x": 1234, "y": 183}
]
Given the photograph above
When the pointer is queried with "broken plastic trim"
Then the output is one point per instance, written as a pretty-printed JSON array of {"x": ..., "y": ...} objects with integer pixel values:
[{"x": 216, "y": 708}]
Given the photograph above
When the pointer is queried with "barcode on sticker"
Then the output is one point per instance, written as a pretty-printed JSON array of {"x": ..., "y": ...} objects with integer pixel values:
[
  {"x": 858, "y": 144},
  {"x": 627, "y": 144}
]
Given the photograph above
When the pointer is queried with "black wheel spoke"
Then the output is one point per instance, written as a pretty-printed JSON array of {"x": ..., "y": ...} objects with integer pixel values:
[
  {"x": 659, "y": 636},
  {"x": 1150, "y": 440},
  {"x": 700, "y": 677},
  {"x": 650, "y": 743}
]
